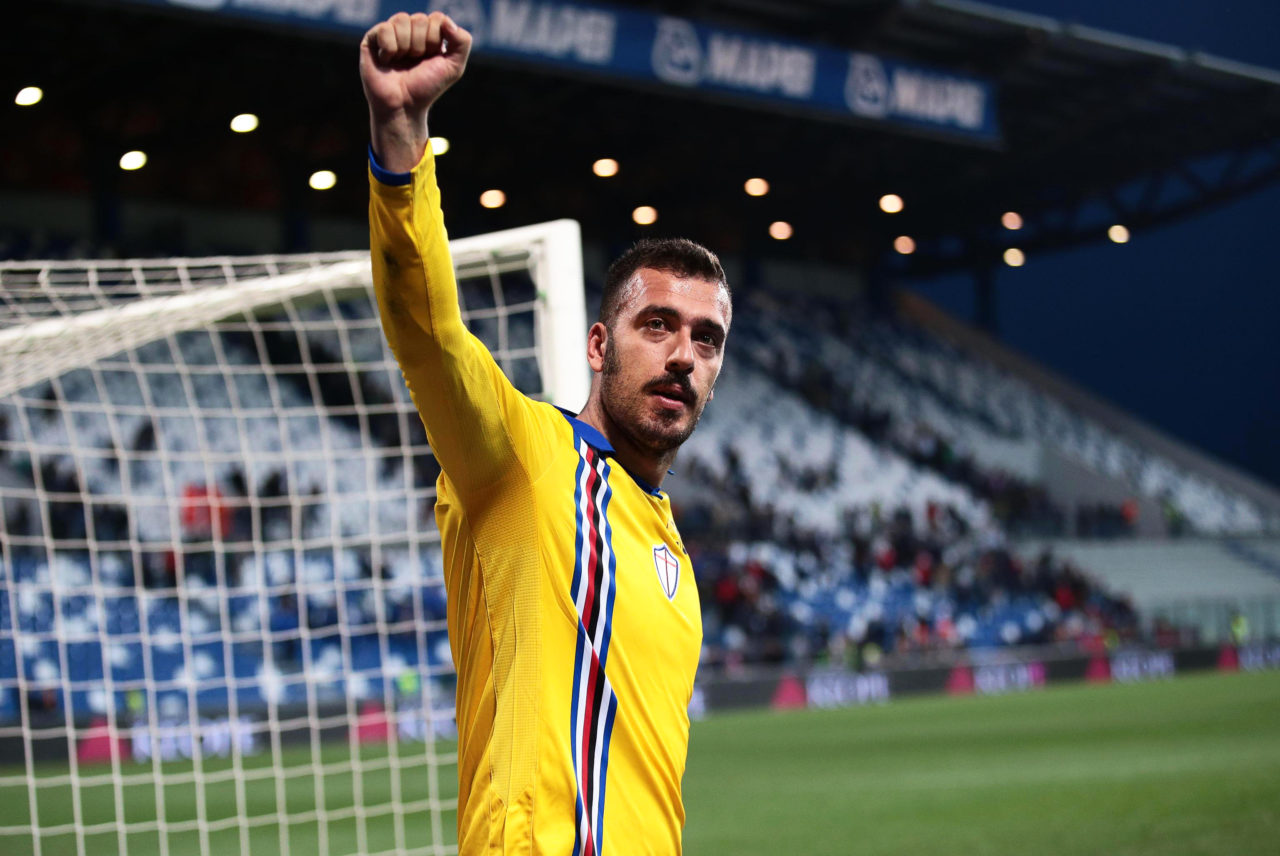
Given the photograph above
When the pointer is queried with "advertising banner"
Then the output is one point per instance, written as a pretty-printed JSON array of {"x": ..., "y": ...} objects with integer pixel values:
[
  {"x": 993, "y": 673},
  {"x": 675, "y": 52}
]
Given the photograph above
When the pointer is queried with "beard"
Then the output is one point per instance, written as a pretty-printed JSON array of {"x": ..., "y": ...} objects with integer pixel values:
[{"x": 631, "y": 412}]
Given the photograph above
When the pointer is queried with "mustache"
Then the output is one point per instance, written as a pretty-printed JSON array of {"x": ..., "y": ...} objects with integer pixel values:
[{"x": 680, "y": 381}]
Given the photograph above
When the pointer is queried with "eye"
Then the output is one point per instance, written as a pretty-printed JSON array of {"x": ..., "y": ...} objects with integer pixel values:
[{"x": 656, "y": 324}]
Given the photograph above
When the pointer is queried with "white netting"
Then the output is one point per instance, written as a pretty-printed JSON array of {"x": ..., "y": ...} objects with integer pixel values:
[{"x": 221, "y": 608}]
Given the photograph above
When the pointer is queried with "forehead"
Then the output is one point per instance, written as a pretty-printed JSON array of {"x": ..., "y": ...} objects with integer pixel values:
[{"x": 690, "y": 295}]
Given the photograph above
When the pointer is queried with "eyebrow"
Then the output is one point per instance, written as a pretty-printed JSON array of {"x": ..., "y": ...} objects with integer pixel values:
[{"x": 672, "y": 312}]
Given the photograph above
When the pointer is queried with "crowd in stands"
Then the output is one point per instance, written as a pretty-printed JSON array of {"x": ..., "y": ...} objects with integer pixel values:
[
  {"x": 884, "y": 582},
  {"x": 894, "y": 595},
  {"x": 1020, "y": 505},
  {"x": 933, "y": 401}
]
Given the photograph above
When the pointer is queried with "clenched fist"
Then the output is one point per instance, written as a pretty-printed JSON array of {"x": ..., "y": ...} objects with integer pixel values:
[{"x": 406, "y": 63}]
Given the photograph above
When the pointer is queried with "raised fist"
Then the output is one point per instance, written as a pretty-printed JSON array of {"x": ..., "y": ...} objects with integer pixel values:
[{"x": 406, "y": 63}]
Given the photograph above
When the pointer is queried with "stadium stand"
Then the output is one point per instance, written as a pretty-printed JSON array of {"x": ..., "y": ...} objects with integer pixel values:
[
  {"x": 1200, "y": 584},
  {"x": 943, "y": 405},
  {"x": 866, "y": 507},
  {"x": 864, "y": 511},
  {"x": 1155, "y": 572},
  {"x": 856, "y": 546},
  {"x": 819, "y": 540}
]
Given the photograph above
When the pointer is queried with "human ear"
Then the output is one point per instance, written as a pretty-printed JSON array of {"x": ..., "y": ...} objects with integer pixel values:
[{"x": 597, "y": 344}]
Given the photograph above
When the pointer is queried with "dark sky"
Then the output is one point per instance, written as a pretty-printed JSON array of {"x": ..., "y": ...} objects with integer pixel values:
[{"x": 1180, "y": 326}]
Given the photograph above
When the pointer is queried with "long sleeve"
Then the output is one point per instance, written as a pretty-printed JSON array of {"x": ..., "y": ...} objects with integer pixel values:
[{"x": 480, "y": 427}]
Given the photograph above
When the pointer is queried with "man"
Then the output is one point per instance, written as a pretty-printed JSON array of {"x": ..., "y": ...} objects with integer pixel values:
[{"x": 573, "y": 613}]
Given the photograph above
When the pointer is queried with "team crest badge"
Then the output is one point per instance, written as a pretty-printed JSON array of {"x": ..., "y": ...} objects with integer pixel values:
[{"x": 668, "y": 568}]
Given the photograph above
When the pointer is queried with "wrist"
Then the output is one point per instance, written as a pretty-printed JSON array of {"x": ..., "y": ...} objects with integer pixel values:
[{"x": 399, "y": 138}]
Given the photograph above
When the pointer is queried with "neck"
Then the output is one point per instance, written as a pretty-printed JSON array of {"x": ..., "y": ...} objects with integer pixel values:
[{"x": 640, "y": 461}]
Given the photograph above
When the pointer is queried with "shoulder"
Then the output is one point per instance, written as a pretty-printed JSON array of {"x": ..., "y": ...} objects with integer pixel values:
[{"x": 539, "y": 429}]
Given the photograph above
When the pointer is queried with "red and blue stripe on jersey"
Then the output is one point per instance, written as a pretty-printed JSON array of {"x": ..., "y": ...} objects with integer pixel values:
[{"x": 594, "y": 703}]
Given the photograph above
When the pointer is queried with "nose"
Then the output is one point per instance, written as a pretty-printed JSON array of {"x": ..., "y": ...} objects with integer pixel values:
[{"x": 680, "y": 359}]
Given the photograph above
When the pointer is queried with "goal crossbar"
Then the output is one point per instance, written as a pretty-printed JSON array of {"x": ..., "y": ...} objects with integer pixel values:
[{"x": 44, "y": 348}]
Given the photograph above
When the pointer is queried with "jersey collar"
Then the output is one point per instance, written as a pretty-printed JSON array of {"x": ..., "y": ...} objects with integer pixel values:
[{"x": 593, "y": 438}]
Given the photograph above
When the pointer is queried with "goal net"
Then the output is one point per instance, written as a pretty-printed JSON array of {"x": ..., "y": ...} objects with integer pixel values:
[{"x": 222, "y": 624}]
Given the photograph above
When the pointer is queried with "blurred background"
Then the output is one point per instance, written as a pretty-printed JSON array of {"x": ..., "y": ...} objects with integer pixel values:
[{"x": 999, "y": 412}]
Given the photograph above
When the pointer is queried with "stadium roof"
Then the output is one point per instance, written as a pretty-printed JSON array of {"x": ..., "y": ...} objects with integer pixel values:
[{"x": 1093, "y": 129}]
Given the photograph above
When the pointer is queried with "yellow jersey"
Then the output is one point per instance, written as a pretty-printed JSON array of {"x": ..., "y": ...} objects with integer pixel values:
[{"x": 572, "y": 610}]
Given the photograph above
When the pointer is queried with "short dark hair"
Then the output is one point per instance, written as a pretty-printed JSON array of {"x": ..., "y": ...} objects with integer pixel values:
[{"x": 678, "y": 256}]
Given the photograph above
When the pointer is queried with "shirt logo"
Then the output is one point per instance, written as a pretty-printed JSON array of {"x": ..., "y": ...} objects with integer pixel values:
[{"x": 668, "y": 568}]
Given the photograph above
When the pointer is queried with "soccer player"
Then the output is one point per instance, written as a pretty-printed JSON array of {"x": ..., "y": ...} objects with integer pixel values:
[{"x": 573, "y": 613}]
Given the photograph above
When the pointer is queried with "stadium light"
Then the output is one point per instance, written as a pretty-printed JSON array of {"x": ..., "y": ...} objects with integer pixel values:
[
  {"x": 904, "y": 244},
  {"x": 322, "y": 179},
  {"x": 244, "y": 123},
  {"x": 645, "y": 215},
  {"x": 1119, "y": 234},
  {"x": 605, "y": 167},
  {"x": 1014, "y": 257},
  {"x": 780, "y": 230},
  {"x": 130, "y": 161},
  {"x": 493, "y": 198},
  {"x": 1011, "y": 220},
  {"x": 439, "y": 145},
  {"x": 891, "y": 203},
  {"x": 756, "y": 187},
  {"x": 28, "y": 95}
]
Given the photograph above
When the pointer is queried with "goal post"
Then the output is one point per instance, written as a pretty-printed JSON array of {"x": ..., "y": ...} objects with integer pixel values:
[
  {"x": 222, "y": 623},
  {"x": 563, "y": 316}
]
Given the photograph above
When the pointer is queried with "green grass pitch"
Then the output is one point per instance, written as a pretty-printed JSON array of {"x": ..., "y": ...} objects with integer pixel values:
[{"x": 1188, "y": 766}]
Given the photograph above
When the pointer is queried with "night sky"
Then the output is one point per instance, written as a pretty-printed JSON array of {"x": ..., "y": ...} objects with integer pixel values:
[{"x": 1181, "y": 325}]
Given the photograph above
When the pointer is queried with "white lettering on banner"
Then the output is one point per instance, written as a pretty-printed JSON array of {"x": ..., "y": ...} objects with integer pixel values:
[
  {"x": 1259, "y": 656},
  {"x": 412, "y": 724},
  {"x": 346, "y": 11},
  {"x": 554, "y": 30},
  {"x": 1141, "y": 666},
  {"x": 844, "y": 689},
  {"x": 866, "y": 89},
  {"x": 677, "y": 52},
  {"x": 1010, "y": 677},
  {"x": 870, "y": 91},
  {"x": 698, "y": 704},
  {"x": 944, "y": 100},
  {"x": 762, "y": 66},
  {"x": 173, "y": 740}
]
